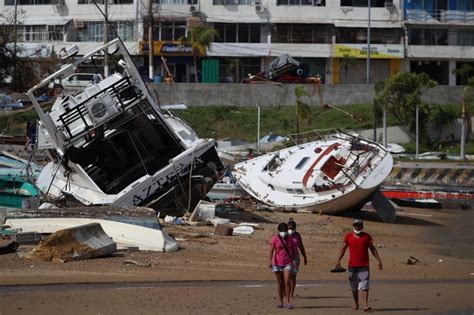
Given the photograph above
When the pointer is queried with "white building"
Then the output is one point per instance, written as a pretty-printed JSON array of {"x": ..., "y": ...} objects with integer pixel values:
[{"x": 322, "y": 34}]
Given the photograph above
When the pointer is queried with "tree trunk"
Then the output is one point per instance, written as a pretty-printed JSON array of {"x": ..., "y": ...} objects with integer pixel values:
[{"x": 196, "y": 77}]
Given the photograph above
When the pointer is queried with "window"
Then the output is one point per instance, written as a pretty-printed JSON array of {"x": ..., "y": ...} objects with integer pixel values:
[
  {"x": 93, "y": 31},
  {"x": 316, "y": 3},
  {"x": 166, "y": 31},
  {"x": 465, "y": 38},
  {"x": 185, "y": 2},
  {"x": 359, "y": 35},
  {"x": 364, "y": 3},
  {"x": 33, "y": 33},
  {"x": 102, "y": 1},
  {"x": 302, "y": 33},
  {"x": 37, "y": 33},
  {"x": 29, "y": 2},
  {"x": 233, "y": 2},
  {"x": 237, "y": 32},
  {"x": 301, "y": 163},
  {"x": 428, "y": 37}
]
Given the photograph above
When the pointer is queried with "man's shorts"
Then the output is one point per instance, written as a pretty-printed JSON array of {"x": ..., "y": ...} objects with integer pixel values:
[
  {"x": 359, "y": 278},
  {"x": 281, "y": 268}
]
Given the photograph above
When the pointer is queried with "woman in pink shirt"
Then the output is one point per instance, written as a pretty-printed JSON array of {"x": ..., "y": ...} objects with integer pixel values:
[
  {"x": 281, "y": 262},
  {"x": 297, "y": 243}
]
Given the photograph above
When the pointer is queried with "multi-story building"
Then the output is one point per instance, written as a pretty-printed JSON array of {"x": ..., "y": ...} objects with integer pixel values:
[
  {"x": 440, "y": 38},
  {"x": 328, "y": 36}
]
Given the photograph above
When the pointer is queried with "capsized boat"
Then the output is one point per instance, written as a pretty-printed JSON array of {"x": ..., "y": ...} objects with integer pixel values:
[
  {"x": 340, "y": 172},
  {"x": 17, "y": 176},
  {"x": 111, "y": 144}
]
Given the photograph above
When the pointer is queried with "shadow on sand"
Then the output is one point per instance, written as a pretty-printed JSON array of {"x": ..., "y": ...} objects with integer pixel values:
[{"x": 373, "y": 217}]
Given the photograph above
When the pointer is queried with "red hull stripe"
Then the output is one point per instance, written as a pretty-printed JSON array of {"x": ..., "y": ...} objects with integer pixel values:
[
  {"x": 326, "y": 152},
  {"x": 426, "y": 194}
]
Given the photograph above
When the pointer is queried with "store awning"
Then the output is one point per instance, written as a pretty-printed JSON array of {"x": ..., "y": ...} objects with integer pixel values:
[
  {"x": 44, "y": 21},
  {"x": 239, "y": 49}
]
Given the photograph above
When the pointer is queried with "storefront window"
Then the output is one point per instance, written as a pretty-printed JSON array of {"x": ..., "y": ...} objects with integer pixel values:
[
  {"x": 359, "y": 35},
  {"x": 428, "y": 37},
  {"x": 237, "y": 32}
]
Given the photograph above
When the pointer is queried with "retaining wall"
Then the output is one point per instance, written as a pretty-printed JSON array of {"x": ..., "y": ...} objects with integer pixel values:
[{"x": 268, "y": 95}]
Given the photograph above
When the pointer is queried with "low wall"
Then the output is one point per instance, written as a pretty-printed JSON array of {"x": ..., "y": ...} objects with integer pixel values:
[{"x": 268, "y": 95}]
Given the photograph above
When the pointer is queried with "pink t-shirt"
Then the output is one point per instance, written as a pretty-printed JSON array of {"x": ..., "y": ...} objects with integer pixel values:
[
  {"x": 280, "y": 256},
  {"x": 295, "y": 240}
]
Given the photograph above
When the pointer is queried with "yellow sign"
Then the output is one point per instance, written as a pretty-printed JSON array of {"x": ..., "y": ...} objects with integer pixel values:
[
  {"x": 376, "y": 51},
  {"x": 161, "y": 48}
]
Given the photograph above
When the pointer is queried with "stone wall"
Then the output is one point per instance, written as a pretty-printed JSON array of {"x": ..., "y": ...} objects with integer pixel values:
[{"x": 267, "y": 95}]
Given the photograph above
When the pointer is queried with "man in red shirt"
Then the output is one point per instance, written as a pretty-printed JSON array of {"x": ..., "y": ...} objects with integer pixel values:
[{"x": 359, "y": 244}]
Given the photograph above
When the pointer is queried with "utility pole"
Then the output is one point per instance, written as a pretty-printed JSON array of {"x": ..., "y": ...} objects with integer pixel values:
[
  {"x": 151, "y": 49},
  {"x": 462, "y": 154},
  {"x": 106, "y": 38},
  {"x": 15, "y": 34},
  {"x": 368, "y": 65}
]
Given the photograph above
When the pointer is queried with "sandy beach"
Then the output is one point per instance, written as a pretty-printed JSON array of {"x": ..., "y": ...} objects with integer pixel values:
[{"x": 229, "y": 275}]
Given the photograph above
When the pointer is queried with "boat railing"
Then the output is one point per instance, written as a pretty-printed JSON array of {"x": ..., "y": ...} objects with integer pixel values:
[{"x": 124, "y": 96}]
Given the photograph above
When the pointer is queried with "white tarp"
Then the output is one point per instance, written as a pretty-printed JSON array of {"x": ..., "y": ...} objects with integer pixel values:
[{"x": 283, "y": 60}]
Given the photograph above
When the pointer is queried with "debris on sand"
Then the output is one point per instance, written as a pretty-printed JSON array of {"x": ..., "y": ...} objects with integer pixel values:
[
  {"x": 136, "y": 263},
  {"x": 76, "y": 243}
]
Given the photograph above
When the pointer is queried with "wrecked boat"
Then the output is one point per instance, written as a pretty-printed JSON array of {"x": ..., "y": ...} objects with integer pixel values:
[
  {"x": 330, "y": 175},
  {"x": 111, "y": 144}
]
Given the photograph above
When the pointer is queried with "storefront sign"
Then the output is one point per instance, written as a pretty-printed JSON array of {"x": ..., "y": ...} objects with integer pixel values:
[
  {"x": 166, "y": 49},
  {"x": 376, "y": 51}
]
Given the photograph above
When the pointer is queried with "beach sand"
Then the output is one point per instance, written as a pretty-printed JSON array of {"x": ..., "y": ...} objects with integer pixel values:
[{"x": 230, "y": 274}]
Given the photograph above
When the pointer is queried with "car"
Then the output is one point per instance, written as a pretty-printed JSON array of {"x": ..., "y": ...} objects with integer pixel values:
[
  {"x": 74, "y": 81},
  {"x": 8, "y": 103}
]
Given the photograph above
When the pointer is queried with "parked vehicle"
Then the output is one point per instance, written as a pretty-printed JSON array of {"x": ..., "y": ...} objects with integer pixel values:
[
  {"x": 9, "y": 103},
  {"x": 74, "y": 81}
]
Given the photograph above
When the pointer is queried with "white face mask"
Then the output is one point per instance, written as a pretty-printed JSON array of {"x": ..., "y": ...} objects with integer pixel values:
[
  {"x": 291, "y": 232},
  {"x": 357, "y": 232},
  {"x": 282, "y": 234}
]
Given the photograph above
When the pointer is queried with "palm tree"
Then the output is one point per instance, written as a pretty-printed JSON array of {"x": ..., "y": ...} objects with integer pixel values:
[
  {"x": 200, "y": 39},
  {"x": 347, "y": 62}
]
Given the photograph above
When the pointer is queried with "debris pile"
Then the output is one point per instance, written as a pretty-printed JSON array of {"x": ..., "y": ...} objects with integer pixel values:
[{"x": 77, "y": 243}]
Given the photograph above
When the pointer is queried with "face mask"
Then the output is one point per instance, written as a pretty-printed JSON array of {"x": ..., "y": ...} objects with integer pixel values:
[
  {"x": 291, "y": 232},
  {"x": 357, "y": 232},
  {"x": 282, "y": 234}
]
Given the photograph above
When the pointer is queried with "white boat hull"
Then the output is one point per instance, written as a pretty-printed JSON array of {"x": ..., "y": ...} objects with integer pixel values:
[
  {"x": 122, "y": 233},
  {"x": 326, "y": 176}
]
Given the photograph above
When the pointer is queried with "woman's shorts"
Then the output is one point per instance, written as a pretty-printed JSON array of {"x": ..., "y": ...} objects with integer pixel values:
[
  {"x": 281, "y": 268},
  {"x": 359, "y": 278}
]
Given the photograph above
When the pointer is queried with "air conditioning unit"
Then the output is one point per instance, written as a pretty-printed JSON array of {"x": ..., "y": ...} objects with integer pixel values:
[
  {"x": 193, "y": 9},
  {"x": 79, "y": 23},
  {"x": 101, "y": 109},
  {"x": 259, "y": 8}
]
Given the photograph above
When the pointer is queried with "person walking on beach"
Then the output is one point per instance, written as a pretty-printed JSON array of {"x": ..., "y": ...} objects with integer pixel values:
[
  {"x": 298, "y": 247},
  {"x": 359, "y": 244},
  {"x": 280, "y": 261}
]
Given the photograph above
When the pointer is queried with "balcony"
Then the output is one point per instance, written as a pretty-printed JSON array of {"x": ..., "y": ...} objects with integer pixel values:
[{"x": 439, "y": 16}]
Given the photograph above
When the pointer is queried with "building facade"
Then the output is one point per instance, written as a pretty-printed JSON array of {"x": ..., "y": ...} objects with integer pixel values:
[{"x": 328, "y": 36}]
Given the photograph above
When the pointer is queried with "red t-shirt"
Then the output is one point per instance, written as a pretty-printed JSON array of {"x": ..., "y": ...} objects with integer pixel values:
[{"x": 358, "y": 249}]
